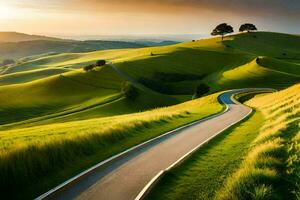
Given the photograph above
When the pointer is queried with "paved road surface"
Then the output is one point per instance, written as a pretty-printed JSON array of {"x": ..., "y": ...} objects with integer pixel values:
[{"x": 124, "y": 178}]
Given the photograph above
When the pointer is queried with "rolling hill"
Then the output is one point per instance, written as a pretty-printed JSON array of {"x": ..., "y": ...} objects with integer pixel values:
[
  {"x": 21, "y": 37},
  {"x": 16, "y": 50},
  {"x": 49, "y": 84},
  {"x": 25, "y": 47},
  {"x": 52, "y": 91}
]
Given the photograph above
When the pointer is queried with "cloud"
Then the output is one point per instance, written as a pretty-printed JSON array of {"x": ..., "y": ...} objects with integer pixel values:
[
  {"x": 261, "y": 7},
  {"x": 288, "y": 8}
]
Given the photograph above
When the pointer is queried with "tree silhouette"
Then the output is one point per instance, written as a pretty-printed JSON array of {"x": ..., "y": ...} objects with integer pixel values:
[
  {"x": 222, "y": 29},
  {"x": 129, "y": 91},
  {"x": 201, "y": 90},
  {"x": 248, "y": 27},
  {"x": 100, "y": 63},
  {"x": 89, "y": 68}
]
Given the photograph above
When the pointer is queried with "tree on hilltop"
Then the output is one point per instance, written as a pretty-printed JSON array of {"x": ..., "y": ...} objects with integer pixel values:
[
  {"x": 222, "y": 29},
  {"x": 248, "y": 27},
  {"x": 100, "y": 63},
  {"x": 89, "y": 68}
]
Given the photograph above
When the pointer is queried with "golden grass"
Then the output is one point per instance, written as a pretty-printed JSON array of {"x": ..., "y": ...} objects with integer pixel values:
[
  {"x": 274, "y": 158},
  {"x": 28, "y": 155}
]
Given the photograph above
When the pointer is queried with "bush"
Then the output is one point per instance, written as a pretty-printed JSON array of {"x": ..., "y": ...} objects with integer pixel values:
[
  {"x": 201, "y": 90},
  {"x": 89, "y": 68},
  {"x": 130, "y": 91},
  {"x": 100, "y": 63}
]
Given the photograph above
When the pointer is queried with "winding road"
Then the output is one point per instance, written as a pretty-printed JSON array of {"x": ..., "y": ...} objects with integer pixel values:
[{"x": 124, "y": 176}]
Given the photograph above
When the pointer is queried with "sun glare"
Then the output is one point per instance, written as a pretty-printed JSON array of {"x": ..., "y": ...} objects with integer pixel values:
[{"x": 6, "y": 11}]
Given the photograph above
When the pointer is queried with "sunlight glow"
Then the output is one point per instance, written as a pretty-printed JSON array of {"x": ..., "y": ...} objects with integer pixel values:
[{"x": 7, "y": 12}]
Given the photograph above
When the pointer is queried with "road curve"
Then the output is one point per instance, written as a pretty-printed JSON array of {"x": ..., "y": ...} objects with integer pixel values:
[{"x": 124, "y": 177}]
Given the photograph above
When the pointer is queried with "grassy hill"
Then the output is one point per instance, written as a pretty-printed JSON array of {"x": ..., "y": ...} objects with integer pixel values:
[
  {"x": 53, "y": 92},
  {"x": 49, "y": 84},
  {"x": 51, "y": 153},
  {"x": 257, "y": 159},
  {"x": 21, "y": 37},
  {"x": 271, "y": 169},
  {"x": 16, "y": 50}
]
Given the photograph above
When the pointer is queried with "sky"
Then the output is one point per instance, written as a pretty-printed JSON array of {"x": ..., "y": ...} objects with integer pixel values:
[{"x": 136, "y": 17}]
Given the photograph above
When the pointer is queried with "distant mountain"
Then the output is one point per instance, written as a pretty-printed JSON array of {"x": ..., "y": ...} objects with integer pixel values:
[
  {"x": 19, "y": 45},
  {"x": 21, "y": 37},
  {"x": 16, "y": 50}
]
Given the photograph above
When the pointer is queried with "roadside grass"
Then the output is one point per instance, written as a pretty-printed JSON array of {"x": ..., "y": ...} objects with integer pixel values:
[
  {"x": 43, "y": 101},
  {"x": 32, "y": 160},
  {"x": 271, "y": 169},
  {"x": 201, "y": 175}
]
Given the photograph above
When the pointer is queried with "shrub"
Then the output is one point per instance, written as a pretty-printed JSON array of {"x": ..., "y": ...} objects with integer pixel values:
[
  {"x": 89, "y": 68},
  {"x": 100, "y": 63},
  {"x": 201, "y": 90},
  {"x": 130, "y": 91}
]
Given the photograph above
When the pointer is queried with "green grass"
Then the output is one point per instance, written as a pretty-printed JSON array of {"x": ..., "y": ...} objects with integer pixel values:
[
  {"x": 22, "y": 77},
  {"x": 52, "y": 153},
  {"x": 50, "y": 107},
  {"x": 253, "y": 74},
  {"x": 56, "y": 93},
  {"x": 258, "y": 159},
  {"x": 206, "y": 170},
  {"x": 271, "y": 168},
  {"x": 40, "y": 93},
  {"x": 22, "y": 49}
]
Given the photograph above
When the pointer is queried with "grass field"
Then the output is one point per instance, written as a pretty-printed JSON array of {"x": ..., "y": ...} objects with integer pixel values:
[
  {"x": 49, "y": 84},
  {"x": 60, "y": 150},
  {"x": 258, "y": 159},
  {"x": 205, "y": 172},
  {"x": 271, "y": 169},
  {"x": 57, "y": 119}
]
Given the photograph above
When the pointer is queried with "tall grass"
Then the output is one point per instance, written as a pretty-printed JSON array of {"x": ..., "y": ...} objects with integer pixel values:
[
  {"x": 31, "y": 157},
  {"x": 271, "y": 169}
]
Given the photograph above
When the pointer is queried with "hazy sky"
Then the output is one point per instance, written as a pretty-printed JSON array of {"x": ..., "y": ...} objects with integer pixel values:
[{"x": 93, "y": 17}]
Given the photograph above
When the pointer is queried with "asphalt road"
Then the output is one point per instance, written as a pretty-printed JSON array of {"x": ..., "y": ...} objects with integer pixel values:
[{"x": 125, "y": 177}]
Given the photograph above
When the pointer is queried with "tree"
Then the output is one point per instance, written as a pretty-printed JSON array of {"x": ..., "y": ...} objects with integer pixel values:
[
  {"x": 248, "y": 27},
  {"x": 222, "y": 29},
  {"x": 201, "y": 90},
  {"x": 89, "y": 67},
  {"x": 130, "y": 91},
  {"x": 100, "y": 63}
]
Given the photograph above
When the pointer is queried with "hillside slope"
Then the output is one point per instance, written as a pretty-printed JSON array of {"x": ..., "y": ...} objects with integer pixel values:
[
  {"x": 171, "y": 73},
  {"x": 57, "y": 119},
  {"x": 271, "y": 169},
  {"x": 16, "y": 50},
  {"x": 21, "y": 37}
]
